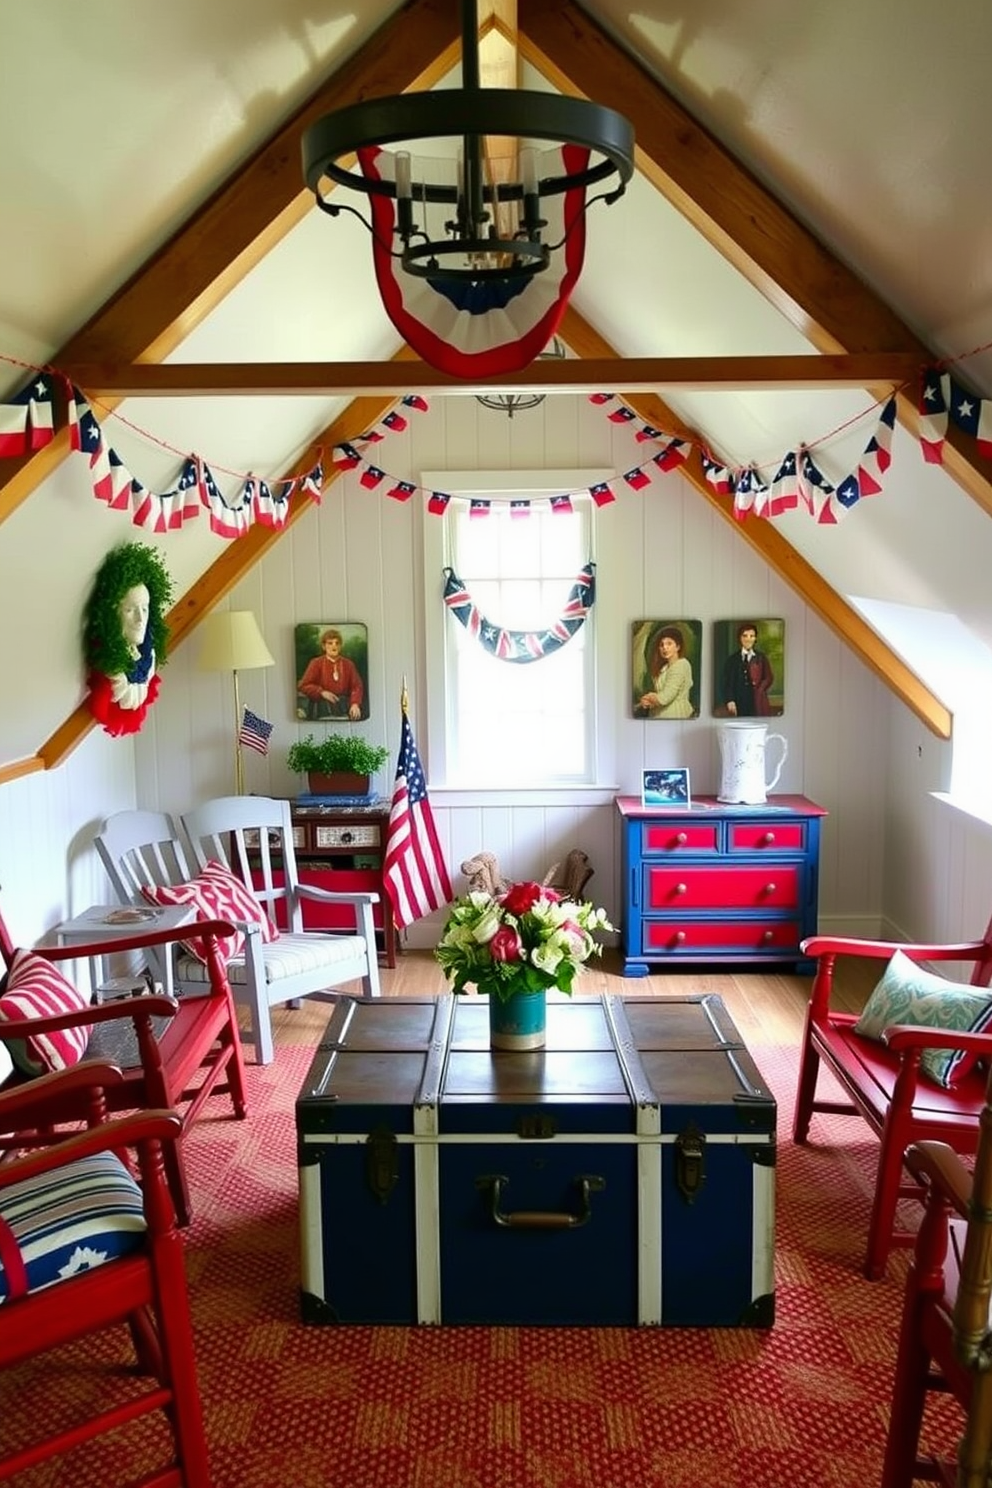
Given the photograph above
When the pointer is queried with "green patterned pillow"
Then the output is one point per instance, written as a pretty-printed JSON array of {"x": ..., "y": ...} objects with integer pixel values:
[{"x": 908, "y": 994}]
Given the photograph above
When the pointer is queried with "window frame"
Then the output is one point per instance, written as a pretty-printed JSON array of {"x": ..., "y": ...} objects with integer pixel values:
[{"x": 501, "y": 485}]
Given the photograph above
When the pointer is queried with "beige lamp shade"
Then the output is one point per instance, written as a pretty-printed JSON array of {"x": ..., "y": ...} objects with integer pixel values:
[{"x": 232, "y": 642}]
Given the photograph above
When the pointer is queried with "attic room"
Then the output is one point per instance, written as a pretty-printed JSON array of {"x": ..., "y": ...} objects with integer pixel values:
[{"x": 806, "y": 185}]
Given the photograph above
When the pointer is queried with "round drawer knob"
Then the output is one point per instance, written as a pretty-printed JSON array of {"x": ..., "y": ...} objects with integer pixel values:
[
  {"x": 681, "y": 839},
  {"x": 768, "y": 839},
  {"x": 347, "y": 836},
  {"x": 678, "y": 938},
  {"x": 681, "y": 888},
  {"x": 770, "y": 888},
  {"x": 768, "y": 936}
]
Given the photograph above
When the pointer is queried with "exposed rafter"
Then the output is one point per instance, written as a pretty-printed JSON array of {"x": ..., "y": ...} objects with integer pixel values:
[
  {"x": 224, "y": 239},
  {"x": 732, "y": 210},
  {"x": 590, "y": 375},
  {"x": 778, "y": 553}
]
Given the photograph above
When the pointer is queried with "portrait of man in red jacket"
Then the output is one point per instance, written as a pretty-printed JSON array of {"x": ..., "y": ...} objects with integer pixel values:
[{"x": 333, "y": 683}]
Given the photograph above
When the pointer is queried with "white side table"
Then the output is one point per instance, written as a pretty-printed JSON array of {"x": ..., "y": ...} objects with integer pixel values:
[{"x": 112, "y": 922}]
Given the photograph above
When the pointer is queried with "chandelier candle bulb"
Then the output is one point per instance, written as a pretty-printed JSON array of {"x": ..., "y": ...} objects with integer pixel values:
[{"x": 404, "y": 187}]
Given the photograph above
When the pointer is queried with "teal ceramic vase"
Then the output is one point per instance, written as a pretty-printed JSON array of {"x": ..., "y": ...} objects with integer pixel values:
[{"x": 518, "y": 1022}]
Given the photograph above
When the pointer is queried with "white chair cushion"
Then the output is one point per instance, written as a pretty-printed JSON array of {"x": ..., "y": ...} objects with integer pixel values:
[
  {"x": 74, "y": 1219},
  {"x": 290, "y": 955}
]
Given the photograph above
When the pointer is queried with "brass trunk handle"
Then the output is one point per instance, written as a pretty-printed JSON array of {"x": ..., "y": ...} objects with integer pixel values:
[{"x": 541, "y": 1219}]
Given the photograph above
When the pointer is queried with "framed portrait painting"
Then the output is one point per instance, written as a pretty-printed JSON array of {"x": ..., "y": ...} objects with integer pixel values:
[
  {"x": 332, "y": 670},
  {"x": 748, "y": 668},
  {"x": 666, "y": 656}
]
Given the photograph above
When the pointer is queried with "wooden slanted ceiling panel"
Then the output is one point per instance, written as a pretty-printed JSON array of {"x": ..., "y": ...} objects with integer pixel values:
[
  {"x": 724, "y": 202},
  {"x": 775, "y": 549},
  {"x": 254, "y": 208}
]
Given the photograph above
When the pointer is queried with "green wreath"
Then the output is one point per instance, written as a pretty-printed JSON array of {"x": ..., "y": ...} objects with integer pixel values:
[{"x": 104, "y": 645}]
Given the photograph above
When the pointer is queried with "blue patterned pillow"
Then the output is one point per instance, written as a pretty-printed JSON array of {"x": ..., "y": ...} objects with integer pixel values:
[
  {"x": 908, "y": 994},
  {"x": 70, "y": 1220}
]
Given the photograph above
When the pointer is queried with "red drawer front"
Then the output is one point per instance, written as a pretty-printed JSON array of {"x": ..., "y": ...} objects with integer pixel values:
[
  {"x": 669, "y": 837},
  {"x": 774, "y": 887},
  {"x": 768, "y": 836},
  {"x": 338, "y": 881},
  {"x": 744, "y": 936}
]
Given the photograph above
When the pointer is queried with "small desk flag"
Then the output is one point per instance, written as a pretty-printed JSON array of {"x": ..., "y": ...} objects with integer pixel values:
[{"x": 255, "y": 732}]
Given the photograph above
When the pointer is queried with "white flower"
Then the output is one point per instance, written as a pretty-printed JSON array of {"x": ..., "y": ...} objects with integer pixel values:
[{"x": 83, "y": 1258}]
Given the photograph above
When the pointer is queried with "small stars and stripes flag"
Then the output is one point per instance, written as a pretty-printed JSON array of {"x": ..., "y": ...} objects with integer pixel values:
[
  {"x": 255, "y": 732},
  {"x": 26, "y": 421},
  {"x": 414, "y": 871},
  {"x": 972, "y": 414}
]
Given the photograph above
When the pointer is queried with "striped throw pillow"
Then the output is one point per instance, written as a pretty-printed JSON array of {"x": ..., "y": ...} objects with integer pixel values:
[
  {"x": 35, "y": 988},
  {"x": 216, "y": 894}
]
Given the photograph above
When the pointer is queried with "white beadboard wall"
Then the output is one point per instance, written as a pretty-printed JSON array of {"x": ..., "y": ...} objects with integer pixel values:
[
  {"x": 893, "y": 860},
  {"x": 661, "y": 551}
]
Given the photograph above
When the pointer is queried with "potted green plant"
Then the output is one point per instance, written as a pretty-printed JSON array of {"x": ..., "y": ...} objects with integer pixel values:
[{"x": 338, "y": 764}]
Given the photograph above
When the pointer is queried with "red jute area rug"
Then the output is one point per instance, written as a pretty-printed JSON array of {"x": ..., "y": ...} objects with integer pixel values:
[{"x": 803, "y": 1405}]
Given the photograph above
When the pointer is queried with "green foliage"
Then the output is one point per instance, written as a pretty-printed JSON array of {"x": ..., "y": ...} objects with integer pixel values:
[
  {"x": 125, "y": 566},
  {"x": 336, "y": 752}
]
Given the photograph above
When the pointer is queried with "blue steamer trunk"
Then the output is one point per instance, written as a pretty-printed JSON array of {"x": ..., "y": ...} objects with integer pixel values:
[{"x": 624, "y": 1174}]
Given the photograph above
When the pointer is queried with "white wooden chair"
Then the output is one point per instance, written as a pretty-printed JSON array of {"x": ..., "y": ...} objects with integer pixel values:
[
  {"x": 252, "y": 835},
  {"x": 144, "y": 847}
]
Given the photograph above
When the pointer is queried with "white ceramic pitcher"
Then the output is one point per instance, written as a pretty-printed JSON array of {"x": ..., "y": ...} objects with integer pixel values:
[{"x": 742, "y": 761}]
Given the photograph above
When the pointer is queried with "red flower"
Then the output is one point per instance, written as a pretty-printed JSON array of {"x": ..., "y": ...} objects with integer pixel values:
[
  {"x": 506, "y": 945},
  {"x": 521, "y": 897}
]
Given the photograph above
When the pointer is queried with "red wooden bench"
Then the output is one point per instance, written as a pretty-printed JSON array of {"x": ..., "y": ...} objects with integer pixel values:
[{"x": 882, "y": 1082}]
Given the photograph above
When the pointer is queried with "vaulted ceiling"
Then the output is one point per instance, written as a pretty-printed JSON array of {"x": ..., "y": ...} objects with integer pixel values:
[{"x": 809, "y": 185}]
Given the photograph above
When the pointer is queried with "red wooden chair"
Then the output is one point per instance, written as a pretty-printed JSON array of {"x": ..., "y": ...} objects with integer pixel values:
[
  {"x": 943, "y": 1339},
  {"x": 881, "y": 1081},
  {"x": 174, "y": 1053},
  {"x": 86, "y": 1243}
]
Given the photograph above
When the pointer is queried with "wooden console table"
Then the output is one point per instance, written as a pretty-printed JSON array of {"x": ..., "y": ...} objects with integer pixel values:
[{"x": 342, "y": 848}]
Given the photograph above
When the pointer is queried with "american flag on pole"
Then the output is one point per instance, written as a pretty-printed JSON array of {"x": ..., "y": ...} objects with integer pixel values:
[
  {"x": 255, "y": 732},
  {"x": 414, "y": 869}
]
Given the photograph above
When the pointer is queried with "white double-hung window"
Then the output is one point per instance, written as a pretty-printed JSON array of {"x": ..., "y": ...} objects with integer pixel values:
[{"x": 497, "y": 723}]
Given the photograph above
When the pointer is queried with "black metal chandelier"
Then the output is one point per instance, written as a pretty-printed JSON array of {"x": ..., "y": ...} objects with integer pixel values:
[
  {"x": 489, "y": 229},
  {"x": 511, "y": 403}
]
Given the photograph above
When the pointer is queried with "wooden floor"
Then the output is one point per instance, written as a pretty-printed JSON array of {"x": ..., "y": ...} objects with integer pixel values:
[{"x": 767, "y": 1006}]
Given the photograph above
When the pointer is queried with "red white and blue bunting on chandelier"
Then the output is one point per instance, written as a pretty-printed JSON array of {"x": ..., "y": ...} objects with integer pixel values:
[
  {"x": 522, "y": 645},
  {"x": 481, "y": 328},
  {"x": 27, "y": 425}
]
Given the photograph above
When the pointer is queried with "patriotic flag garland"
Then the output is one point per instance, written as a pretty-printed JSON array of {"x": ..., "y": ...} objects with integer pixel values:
[
  {"x": 27, "y": 424},
  {"x": 522, "y": 645}
]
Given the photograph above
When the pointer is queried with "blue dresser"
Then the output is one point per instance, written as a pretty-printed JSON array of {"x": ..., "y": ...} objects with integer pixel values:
[{"x": 718, "y": 883}]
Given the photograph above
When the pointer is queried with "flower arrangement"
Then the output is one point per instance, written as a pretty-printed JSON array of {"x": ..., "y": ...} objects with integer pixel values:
[{"x": 526, "y": 940}]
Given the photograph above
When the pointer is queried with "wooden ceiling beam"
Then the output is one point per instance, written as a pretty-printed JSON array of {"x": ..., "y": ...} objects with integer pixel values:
[
  {"x": 252, "y": 211},
  {"x": 759, "y": 236},
  {"x": 769, "y": 543},
  {"x": 596, "y": 374}
]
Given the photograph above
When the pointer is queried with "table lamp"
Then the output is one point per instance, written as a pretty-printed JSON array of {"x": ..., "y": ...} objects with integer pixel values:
[{"x": 232, "y": 642}]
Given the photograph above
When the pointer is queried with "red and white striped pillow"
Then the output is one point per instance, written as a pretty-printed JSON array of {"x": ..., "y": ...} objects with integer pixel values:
[
  {"x": 35, "y": 988},
  {"x": 216, "y": 894}
]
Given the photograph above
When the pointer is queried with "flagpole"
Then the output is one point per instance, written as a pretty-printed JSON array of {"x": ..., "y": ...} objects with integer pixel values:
[
  {"x": 404, "y": 699},
  {"x": 239, "y": 764}
]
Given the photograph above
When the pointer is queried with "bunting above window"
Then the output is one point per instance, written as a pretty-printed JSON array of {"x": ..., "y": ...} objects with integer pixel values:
[{"x": 522, "y": 645}]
